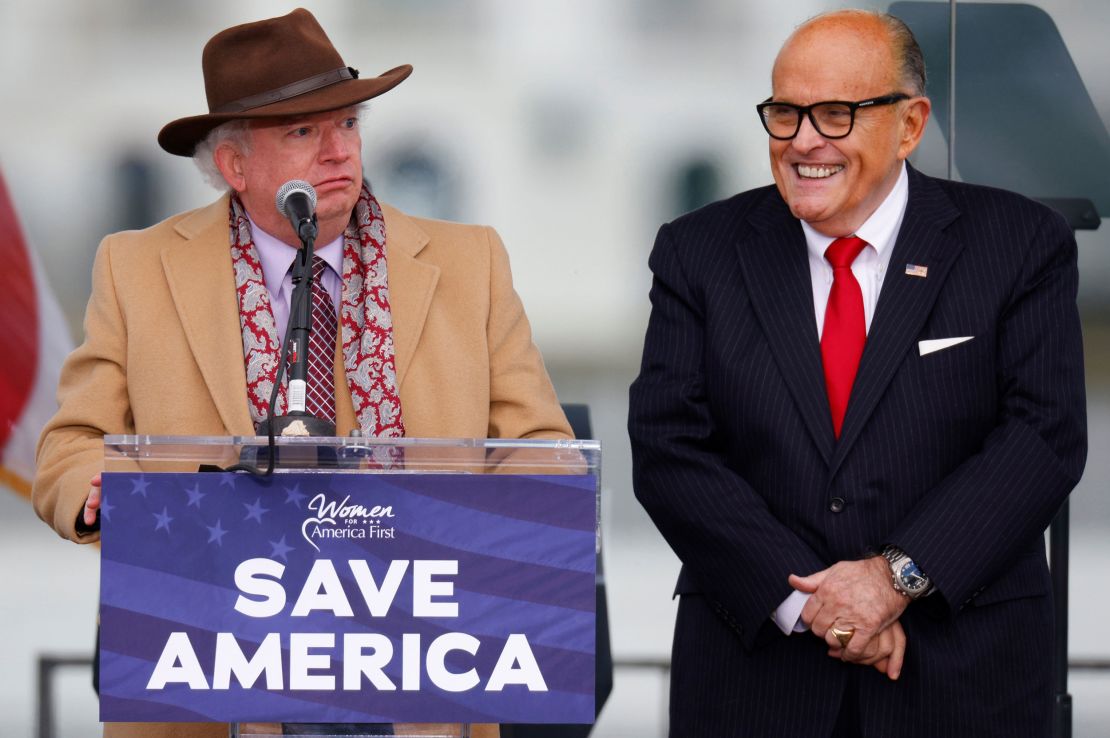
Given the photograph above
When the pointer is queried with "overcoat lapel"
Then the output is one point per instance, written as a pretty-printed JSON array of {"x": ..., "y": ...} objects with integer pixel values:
[
  {"x": 198, "y": 271},
  {"x": 776, "y": 272},
  {"x": 904, "y": 302},
  {"x": 411, "y": 285}
]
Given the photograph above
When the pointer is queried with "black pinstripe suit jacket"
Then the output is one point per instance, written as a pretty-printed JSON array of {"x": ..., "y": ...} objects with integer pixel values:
[{"x": 960, "y": 457}]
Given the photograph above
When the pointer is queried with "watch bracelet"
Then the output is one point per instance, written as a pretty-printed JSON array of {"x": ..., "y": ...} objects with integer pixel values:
[{"x": 892, "y": 554}]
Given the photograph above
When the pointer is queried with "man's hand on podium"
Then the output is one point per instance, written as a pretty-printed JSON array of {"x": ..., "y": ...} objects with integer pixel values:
[{"x": 92, "y": 503}]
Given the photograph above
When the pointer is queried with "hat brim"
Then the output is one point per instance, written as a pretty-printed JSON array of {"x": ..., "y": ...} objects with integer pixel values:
[{"x": 180, "y": 137}]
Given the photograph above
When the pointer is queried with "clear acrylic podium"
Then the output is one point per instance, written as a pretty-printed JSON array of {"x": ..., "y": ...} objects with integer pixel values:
[{"x": 499, "y": 491}]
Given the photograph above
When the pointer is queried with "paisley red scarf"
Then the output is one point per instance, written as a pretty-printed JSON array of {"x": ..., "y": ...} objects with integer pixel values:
[{"x": 366, "y": 324}]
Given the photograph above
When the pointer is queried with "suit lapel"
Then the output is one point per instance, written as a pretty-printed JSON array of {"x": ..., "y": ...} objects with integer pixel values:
[
  {"x": 776, "y": 272},
  {"x": 905, "y": 301},
  {"x": 411, "y": 285},
  {"x": 198, "y": 272}
]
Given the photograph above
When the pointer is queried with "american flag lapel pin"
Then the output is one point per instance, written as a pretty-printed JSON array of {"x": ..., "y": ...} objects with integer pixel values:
[{"x": 915, "y": 270}]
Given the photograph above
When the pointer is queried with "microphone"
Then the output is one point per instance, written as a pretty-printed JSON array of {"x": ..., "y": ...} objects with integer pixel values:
[{"x": 296, "y": 200}]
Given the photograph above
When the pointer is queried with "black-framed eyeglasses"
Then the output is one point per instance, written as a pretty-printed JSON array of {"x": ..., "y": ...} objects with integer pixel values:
[{"x": 832, "y": 118}]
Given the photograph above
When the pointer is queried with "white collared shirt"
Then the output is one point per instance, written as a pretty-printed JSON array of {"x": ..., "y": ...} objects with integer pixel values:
[{"x": 880, "y": 231}]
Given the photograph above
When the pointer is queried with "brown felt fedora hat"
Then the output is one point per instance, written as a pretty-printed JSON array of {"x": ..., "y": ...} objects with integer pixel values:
[{"x": 273, "y": 68}]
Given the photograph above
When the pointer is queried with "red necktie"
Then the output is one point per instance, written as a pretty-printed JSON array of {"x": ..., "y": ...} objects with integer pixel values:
[
  {"x": 845, "y": 330},
  {"x": 320, "y": 397}
]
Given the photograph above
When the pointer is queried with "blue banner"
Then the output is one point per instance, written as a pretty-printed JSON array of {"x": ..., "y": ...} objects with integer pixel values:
[{"x": 338, "y": 597}]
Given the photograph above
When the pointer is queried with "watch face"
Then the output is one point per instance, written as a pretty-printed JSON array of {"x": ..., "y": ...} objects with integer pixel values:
[{"x": 912, "y": 578}]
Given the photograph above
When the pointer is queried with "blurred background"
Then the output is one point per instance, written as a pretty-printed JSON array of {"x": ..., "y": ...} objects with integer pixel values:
[{"x": 576, "y": 128}]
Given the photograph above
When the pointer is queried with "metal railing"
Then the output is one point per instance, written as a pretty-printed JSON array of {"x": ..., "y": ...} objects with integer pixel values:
[{"x": 50, "y": 664}]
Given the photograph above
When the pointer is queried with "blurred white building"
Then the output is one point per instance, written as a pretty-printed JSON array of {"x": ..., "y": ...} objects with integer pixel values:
[{"x": 575, "y": 128}]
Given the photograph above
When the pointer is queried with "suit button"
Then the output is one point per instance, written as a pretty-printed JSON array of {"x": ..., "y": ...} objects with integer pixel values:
[{"x": 836, "y": 505}]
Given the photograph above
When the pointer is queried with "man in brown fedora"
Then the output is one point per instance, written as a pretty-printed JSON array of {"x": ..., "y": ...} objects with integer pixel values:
[{"x": 185, "y": 319}]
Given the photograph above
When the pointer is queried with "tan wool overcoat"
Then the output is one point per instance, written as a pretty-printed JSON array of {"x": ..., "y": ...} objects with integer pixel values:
[{"x": 163, "y": 355}]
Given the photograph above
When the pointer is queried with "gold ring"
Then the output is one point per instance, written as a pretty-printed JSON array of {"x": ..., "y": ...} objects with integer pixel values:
[{"x": 843, "y": 636}]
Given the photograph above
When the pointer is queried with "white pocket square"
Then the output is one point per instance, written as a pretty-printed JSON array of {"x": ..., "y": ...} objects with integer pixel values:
[{"x": 938, "y": 344}]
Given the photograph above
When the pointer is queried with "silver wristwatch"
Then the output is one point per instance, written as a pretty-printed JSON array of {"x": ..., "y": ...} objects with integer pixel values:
[{"x": 907, "y": 577}]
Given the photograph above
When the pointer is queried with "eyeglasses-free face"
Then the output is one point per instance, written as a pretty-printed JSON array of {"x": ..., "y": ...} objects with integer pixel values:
[{"x": 832, "y": 118}]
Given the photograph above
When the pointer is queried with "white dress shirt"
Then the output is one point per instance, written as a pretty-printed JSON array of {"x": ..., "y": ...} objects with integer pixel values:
[{"x": 880, "y": 231}]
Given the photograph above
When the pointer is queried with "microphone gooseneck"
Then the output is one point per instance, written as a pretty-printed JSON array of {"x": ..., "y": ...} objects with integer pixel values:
[{"x": 296, "y": 200}]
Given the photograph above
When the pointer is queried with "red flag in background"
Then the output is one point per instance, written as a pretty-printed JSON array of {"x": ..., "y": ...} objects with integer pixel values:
[{"x": 34, "y": 341}]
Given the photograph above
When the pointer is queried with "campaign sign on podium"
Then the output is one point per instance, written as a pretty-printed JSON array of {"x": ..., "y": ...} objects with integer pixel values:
[{"x": 453, "y": 583}]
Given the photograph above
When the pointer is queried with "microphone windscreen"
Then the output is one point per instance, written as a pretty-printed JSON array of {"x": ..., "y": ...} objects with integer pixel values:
[{"x": 290, "y": 187}]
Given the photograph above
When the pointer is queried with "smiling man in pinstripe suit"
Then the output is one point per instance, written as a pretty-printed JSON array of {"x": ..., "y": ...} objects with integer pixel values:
[{"x": 860, "y": 404}]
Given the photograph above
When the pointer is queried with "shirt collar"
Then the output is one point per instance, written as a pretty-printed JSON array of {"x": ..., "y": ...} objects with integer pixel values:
[
  {"x": 277, "y": 256},
  {"x": 879, "y": 230}
]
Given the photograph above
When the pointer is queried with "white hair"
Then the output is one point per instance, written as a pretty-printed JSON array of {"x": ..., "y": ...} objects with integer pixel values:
[{"x": 234, "y": 133}]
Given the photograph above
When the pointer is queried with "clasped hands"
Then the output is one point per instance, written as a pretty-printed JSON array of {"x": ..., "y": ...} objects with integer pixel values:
[{"x": 857, "y": 596}]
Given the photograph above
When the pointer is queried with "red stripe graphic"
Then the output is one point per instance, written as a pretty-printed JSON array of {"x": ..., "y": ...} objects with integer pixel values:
[{"x": 19, "y": 313}]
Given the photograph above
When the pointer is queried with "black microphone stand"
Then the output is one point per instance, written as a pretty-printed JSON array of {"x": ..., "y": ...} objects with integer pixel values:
[{"x": 298, "y": 421}]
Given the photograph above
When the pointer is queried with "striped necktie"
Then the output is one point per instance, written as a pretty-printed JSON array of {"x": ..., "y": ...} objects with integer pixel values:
[{"x": 320, "y": 397}]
